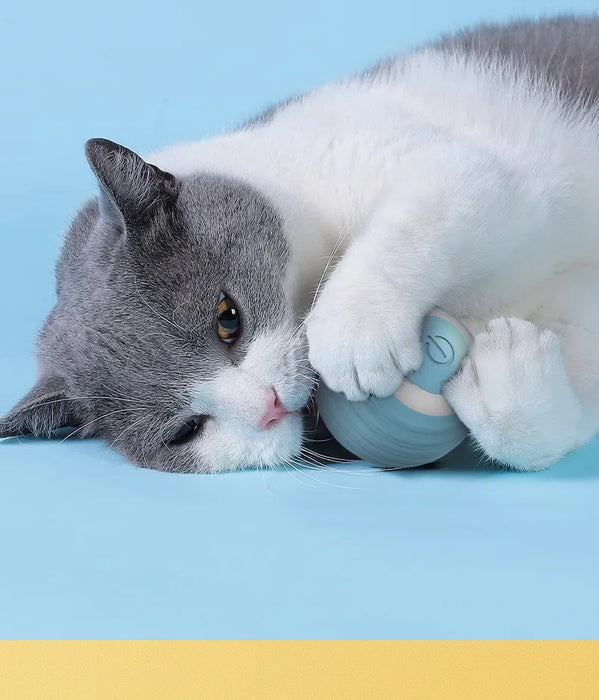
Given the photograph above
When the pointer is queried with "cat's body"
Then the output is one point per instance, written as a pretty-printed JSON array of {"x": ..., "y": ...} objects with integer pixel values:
[{"x": 465, "y": 174}]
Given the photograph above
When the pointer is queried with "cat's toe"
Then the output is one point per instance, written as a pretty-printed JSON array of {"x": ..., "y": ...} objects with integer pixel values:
[
  {"x": 332, "y": 356},
  {"x": 378, "y": 372},
  {"x": 361, "y": 363}
]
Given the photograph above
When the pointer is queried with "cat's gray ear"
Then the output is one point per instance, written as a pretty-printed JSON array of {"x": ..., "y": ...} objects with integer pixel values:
[
  {"x": 130, "y": 188},
  {"x": 42, "y": 411}
]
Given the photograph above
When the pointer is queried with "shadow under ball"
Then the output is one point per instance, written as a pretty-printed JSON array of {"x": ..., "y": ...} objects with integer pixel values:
[{"x": 415, "y": 425}]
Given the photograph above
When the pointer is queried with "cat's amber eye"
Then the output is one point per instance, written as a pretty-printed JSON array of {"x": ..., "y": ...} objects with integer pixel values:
[{"x": 229, "y": 323}]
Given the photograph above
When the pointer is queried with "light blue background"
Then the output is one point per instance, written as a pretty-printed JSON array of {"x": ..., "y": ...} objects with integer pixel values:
[{"x": 93, "y": 547}]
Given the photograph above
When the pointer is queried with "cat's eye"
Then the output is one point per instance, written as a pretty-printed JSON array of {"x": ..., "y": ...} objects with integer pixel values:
[
  {"x": 229, "y": 322},
  {"x": 188, "y": 430}
]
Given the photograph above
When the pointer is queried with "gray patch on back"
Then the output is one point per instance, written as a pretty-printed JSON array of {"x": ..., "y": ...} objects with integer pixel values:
[{"x": 564, "y": 50}]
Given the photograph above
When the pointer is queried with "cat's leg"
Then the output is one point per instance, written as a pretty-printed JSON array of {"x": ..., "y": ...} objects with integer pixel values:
[
  {"x": 433, "y": 234},
  {"x": 363, "y": 331},
  {"x": 522, "y": 394}
]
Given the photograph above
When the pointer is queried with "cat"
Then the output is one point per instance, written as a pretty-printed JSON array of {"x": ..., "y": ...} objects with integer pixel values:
[{"x": 205, "y": 287}]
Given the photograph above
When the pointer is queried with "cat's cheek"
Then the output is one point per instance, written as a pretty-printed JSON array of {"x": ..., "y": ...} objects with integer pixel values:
[{"x": 230, "y": 445}]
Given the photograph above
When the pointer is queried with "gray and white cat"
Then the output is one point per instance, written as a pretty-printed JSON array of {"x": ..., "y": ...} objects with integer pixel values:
[{"x": 465, "y": 174}]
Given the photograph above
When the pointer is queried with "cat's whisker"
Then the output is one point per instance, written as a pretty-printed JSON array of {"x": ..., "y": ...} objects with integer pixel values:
[
  {"x": 126, "y": 430},
  {"x": 310, "y": 439},
  {"x": 285, "y": 464},
  {"x": 336, "y": 460},
  {"x": 326, "y": 466},
  {"x": 323, "y": 460},
  {"x": 319, "y": 481},
  {"x": 95, "y": 420},
  {"x": 84, "y": 398},
  {"x": 144, "y": 444},
  {"x": 306, "y": 377},
  {"x": 333, "y": 254}
]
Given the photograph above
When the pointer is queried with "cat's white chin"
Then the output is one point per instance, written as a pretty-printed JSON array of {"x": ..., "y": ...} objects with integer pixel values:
[{"x": 241, "y": 447}]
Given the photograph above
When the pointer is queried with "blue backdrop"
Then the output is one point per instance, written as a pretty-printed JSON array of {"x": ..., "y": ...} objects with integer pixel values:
[{"x": 93, "y": 547}]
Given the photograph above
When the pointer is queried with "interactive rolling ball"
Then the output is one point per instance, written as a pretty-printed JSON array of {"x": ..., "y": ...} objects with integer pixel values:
[{"x": 415, "y": 425}]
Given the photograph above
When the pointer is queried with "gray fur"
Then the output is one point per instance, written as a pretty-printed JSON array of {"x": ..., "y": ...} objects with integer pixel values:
[
  {"x": 142, "y": 266},
  {"x": 563, "y": 50}
]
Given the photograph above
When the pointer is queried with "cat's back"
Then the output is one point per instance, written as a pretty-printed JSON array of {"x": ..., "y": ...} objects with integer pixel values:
[
  {"x": 492, "y": 74},
  {"x": 518, "y": 85},
  {"x": 563, "y": 49}
]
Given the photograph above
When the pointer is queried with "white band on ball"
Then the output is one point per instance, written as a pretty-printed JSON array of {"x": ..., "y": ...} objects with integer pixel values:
[{"x": 422, "y": 401}]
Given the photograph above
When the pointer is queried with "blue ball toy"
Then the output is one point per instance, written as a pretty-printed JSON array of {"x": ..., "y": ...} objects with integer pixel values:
[{"x": 415, "y": 425}]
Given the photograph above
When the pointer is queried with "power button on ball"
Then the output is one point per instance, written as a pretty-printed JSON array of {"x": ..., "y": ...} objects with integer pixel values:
[{"x": 439, "y": 349}]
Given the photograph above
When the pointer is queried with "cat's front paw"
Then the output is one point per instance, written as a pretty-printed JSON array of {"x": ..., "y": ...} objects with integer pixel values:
[
  {"x": 360, "y": 342},
  {"x": 515, "y": 397}
]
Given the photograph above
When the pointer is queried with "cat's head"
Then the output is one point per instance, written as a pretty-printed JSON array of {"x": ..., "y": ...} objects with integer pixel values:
[{"x": 174, "y": 336}]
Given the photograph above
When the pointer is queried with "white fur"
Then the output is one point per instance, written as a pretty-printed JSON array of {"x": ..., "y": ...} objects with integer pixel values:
[
  {"x": 454, "y": 182},
  {"x": 235, "y": 399},
  {"x": 514, "y": 394}
]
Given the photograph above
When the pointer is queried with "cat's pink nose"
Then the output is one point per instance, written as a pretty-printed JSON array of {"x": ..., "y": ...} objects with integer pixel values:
[{"x": 275, "y": 411}]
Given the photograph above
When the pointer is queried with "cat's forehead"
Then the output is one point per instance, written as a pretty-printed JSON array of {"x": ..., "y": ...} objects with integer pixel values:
[
  {"x": 221, "y": 233},
  {"x": 230, "y": 211}
]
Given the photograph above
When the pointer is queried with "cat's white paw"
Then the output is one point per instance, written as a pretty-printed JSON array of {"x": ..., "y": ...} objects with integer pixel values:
[
  {"x": 360, "y": 342},
  {"x": 514, "y": 395}
]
